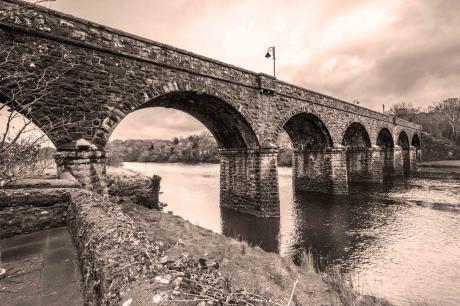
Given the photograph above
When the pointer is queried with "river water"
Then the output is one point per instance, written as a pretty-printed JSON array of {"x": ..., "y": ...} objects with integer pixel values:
[{"x": 399, "y": 240}]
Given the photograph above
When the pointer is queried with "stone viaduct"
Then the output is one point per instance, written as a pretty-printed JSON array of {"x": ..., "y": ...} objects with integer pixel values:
[{"x": 105, "y": 74}]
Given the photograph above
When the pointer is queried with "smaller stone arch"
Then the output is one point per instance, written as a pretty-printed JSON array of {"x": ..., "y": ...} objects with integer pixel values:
[
  {"x": 308, "y": 132},
  {"x": 385, "y": 139},
  {"x": 403, "y": 140},
  {"x": 313, "y": 155},
  {"x": 356, "y": 137},
  {"x": 362, "y": 161},
  {"x": 418, "y": 147},
  {"x": 415, "y": 141}
]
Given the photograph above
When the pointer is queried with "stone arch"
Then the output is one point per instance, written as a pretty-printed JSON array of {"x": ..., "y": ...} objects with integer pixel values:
[
  {"x": 356, "y": 137},
  {"x": 403, "y": 140},
  {"x": 385, "y": 139},
  {"x": 416, "y": 143},
  {"x": 313, "y": 155},
  {"x": 307, "y": 132},
  {"x": 228, "y": 126},
  {"x": 360, "y": 159},
  {"x": 311, "y": 114}
]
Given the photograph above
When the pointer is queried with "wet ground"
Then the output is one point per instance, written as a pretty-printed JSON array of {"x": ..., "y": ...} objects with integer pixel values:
[{"x": 42, "y": 269}]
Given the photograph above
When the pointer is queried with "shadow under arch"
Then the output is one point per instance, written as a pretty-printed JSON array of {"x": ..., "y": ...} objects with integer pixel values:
[
  {"x": 403, "y": 142},
  {"x": 359, "y": 155},
  {"x": 416, "y": 143},
  {"x": 385, "y": 139},
  {"x": 313, "y": 156}
]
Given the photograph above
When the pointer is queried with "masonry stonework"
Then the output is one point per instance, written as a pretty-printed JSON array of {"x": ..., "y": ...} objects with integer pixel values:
[{"x": 107, "y": 74}]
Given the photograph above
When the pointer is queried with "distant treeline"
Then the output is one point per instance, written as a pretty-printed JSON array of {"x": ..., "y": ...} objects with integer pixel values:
[
  {"x": 200, "y": 148},
  {"x": 192, "y": 149}
]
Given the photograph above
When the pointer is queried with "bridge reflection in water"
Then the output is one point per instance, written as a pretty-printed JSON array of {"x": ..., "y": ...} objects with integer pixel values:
[{"x": 331, "y": 227}]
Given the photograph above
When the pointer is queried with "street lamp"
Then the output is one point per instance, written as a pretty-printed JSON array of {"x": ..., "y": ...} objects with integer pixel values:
[{"x": 270, "y": 53}]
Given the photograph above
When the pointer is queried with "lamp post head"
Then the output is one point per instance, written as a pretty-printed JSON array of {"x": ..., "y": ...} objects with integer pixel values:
[{"x": 268, "y": 55}]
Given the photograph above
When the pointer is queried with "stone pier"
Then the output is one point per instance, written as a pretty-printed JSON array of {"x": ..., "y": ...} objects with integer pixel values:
[
  {"x": 364, "y": 165},
  {"x": 392, "y": 160},
  {"x": 88, "y": 167},
  {"x": 249, "y": 181},
  {"x": 322, "y": 170}
]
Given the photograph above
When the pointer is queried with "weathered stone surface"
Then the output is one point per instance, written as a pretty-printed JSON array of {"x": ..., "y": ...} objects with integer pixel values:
[
  {"x": 28, "y": 210},
  {"x": 113, "y": 253}
]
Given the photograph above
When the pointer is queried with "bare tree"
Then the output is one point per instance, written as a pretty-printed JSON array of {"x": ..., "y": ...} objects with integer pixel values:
[
  {"x": 28, "y": 76},
  {"x": 450, "y": 109}
]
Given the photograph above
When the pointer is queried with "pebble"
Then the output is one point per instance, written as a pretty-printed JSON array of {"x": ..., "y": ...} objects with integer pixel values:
[
  {"x": 164, "y": 259},
  {"x": 2, "y": 273},
  {"x": 159, "y": 297},
  {"x": 177, "y": 281},
  {"x": 162, "y": 280},
  {"x": 128, "y": 302}
]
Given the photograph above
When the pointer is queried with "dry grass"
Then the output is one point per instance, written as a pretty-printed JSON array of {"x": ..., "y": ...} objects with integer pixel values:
[{"x": 257, "y": 272}]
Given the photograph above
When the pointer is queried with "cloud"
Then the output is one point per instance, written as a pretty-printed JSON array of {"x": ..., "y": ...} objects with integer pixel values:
[{"x": 157, "y": 123}]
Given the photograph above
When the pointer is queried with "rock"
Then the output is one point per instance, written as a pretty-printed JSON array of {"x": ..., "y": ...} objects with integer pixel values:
[
  {"x": 177, "y": 281},
  {"x": 164, "y": 259},
  {"x": 127, "y": 303},
  {"x": 159, "y": 297},
  {"x": 2, "y": 273},
  {"x": 162, "y": 280},
  {"x": 214, "y": 265}
]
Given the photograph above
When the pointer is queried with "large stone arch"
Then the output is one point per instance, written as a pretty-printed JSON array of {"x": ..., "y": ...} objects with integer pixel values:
[
  {"x": 228, "y": 126},
  {"x": 207, "y": 104}
]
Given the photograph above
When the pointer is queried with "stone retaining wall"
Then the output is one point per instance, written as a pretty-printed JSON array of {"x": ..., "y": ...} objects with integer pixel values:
[
  {"x": 25, "y": 211},
  {"x": 113, "y": 253}
]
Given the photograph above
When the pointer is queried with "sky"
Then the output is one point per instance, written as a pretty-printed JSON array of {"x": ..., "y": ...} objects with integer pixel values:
[{"x": 376, "y": 52}]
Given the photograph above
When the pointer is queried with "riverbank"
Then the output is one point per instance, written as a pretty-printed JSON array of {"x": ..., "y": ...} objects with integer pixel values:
[{"x": 440, "y": 166}]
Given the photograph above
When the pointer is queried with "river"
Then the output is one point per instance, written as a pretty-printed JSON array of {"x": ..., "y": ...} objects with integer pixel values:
[{"x": 399, "y": 240}]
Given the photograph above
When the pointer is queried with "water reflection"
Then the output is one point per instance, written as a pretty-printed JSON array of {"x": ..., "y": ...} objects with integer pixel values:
[
  {"x": 334, "y": 228},
  {"x": 262, "y": 232}
]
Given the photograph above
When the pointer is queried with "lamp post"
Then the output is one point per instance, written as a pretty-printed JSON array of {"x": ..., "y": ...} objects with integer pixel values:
[{"x": 271, "y": 53}]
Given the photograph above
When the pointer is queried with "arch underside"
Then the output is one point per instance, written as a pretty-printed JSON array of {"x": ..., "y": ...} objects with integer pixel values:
[
  {"x": 384, "y": 139},
  {"x": 403, "y": 140},
  {"x": 415, "y": 141},
  {"x": 230, "y": 129},
  {"x": 356, "y": 137},
  {"x": 307, "y": 132}
]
